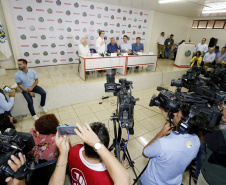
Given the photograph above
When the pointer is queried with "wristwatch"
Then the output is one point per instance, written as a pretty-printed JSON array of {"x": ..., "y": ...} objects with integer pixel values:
[{"x": 98, "y": 145}]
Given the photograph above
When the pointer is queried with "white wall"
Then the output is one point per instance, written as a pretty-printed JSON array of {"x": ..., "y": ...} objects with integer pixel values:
[
  {"x": 196, "y": 35},
  {"x": 8, "y": 63},
  {"x": 170, "y": 24}
]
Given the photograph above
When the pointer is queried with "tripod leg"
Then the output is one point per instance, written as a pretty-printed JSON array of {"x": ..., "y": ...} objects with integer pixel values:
[
  {"x": 135, "y": 181},
  {"x": 131, "y": 163},
  {"x": 117, "y": 147}
]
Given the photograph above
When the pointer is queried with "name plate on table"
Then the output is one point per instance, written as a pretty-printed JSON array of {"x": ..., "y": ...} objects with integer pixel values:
[
  {"x": 124, "y": 54},
  {"x": 139, "y": 53},
  {"x": 151, "y": 53},
  {"x": 95, "y": 55},
  {"x": 113, "y": 54}
]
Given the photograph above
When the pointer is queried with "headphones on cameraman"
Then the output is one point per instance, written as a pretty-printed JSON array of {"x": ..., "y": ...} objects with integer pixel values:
[{"x": 183, "y": 126}]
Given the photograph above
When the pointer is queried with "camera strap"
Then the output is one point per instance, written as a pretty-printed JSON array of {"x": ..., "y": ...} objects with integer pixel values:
[{"x": 21, "y": 172}]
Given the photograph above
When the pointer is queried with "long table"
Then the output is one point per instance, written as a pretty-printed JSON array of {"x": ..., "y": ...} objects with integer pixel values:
[{"x": 89, "y": 63}]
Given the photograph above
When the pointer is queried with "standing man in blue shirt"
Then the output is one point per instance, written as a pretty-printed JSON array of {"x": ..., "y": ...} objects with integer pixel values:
[
  {"x": 170, "y": 155},
  {"x": 137, "y": 47},
  {"x": 27, "y": 80},
  {"x": 113, "y": 46},
  {"x": 125, "y": 46}
]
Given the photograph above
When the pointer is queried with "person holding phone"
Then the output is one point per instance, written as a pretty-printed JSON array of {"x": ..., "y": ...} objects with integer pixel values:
[
  {"x": 113, "y": 46},
  {"x": 7, "y": 104},
  {"x": 92, "y": 137},
  {"x": 27, "y": 80}
]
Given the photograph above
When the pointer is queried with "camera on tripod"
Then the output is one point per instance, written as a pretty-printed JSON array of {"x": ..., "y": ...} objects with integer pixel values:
[
  {"x": 125, "y": 101},
  {"x": 11, "y": 143}
]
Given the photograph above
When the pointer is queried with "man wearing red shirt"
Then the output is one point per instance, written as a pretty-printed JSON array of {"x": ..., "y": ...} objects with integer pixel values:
[{"x": 86, "y": 167}]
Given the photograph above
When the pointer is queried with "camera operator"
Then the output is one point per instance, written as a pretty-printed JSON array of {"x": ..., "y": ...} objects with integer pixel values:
[
  {"x": 214, "y": 164},
  {"x": 6, "y": 105},
  {"x": 15, "y": 164},
  {"x": 117, "y": 172},
  {"x": 171, "y": 155}
]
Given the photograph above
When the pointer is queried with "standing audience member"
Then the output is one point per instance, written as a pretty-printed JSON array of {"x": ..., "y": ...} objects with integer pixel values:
[
  {"x": 6, "y": 105},
  {"x": 44, "y": 136},
  {"x": 209, "y": 57},
  {"x": 117, "y": 172},
  {"x": 113, "y": 46},
  {"x": 100, "y": 42},
  {"x": 214, "y": 164},
  {"x": 168, "y": 46},
  {"x": 6, "y": 121},
  {"x": 125, "y": 46},
  {"x": 160, "y": 45},
  {"x": 27, "y": 80},
  {"x": 83, "y": 48},
  {"x": 138, "y": 47},
  {"x": 203, "y": 47},
  {"x": 196, "y": 60}
]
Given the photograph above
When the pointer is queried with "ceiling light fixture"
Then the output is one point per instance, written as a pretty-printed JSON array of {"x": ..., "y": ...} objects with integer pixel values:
[
  {"x": 214, "y": 11},
  {"x": 168, "y": 1}
]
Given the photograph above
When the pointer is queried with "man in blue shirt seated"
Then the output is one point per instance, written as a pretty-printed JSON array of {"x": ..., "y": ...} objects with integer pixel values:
[
  {"x": 138, "y": 47},
  {"x": 125, "y": 46},
  {"x": 170, "y": 155},
  {"x": 113, "y": 46},
  {"x": 27, "y": 80}
]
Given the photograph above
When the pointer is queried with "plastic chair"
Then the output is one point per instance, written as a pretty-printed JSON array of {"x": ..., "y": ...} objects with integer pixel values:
[{"x": 92, "y": 50}]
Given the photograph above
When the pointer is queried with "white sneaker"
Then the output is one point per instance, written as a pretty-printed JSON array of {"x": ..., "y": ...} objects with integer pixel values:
[
  {"x": 44, "y": 109},
  {"x": 35, "y": 117}
]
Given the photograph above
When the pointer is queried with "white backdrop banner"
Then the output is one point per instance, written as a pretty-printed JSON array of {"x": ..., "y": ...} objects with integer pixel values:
[{"x": 49, "y": 32}]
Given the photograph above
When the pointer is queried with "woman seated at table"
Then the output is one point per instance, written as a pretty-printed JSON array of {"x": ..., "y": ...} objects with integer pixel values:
[
  {"x": 44, "y": 136},
  {"x": 196, "y": 60}
]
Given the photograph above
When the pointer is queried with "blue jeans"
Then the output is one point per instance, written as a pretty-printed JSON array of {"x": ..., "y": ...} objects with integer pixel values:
[
  {"x": 29, "y": 99},
  {"x": 167, "y": 52},
  {"x": 199, "y": 158}
]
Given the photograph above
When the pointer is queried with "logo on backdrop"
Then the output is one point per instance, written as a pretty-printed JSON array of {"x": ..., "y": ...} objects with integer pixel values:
[
  {"x": 68, "y": 12},
  {"x": 76, "y": 5},
  {"x": 37, "y": 61},
  {"x": 32, "y": 28},
  {"x": 19, "y": 18},
  {"x": 26, "y": 54},
  {"x": 76, "y": 21},
  {"x": 112, "y": 17},
  {"x": 53, "y": 45},
  {"x": 41, "y": 19},
  {"x": 187, "y": 53},
  {"x": 106, "y": 9},
  {"x": 59, "y": 20},
  {"x": 29, "y": 9},
  {"x": 61, "y": 37},
  {"x": 23, "y": 37},
  {"x": 50, "y": 10},
  {"x": 91, "y": 7},
  {"x": 58, "y": 2},
  {"x": 91, "y": 23},
  {"x": 54, "y": 60},
  {"x": 69, "y": 45},
  {"x": 77, "y": 37},
  {"x": 51, "y": 28},
  {"x": 38, "y": 1},
  {"x": 2, "y": 35},
  {"x": 119, "y": 10},
  {"x": 84, "y": 14},
  {"x": 34, "y": 45}
]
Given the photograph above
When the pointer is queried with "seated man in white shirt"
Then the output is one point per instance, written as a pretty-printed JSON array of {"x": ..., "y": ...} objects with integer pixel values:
[
  {"x": 209, "y": 57},
  {"x": 125, "y": 46},
  {"x": 201, "y": 47},
  {"x": 83, "y": 48},
  {"x": 100, "y": 42}
]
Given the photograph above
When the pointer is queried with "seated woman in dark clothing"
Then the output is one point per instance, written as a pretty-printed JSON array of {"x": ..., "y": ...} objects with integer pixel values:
[
  {"x": 44, "y": 136},
  {"x": 6, "y": 121},
  {"x": 196, "y": 60}
]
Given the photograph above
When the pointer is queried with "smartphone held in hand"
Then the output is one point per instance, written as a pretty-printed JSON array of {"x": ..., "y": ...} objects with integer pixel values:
[
  {"x": 7, "y": 89},
  {"x": 66, "y": 130}
]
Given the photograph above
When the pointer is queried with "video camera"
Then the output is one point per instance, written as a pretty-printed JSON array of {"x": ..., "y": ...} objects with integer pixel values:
[
  {"x": 172, "y": 102},
  {"x": 125, "y": 101},
  {"x": 11, "y": 143}
]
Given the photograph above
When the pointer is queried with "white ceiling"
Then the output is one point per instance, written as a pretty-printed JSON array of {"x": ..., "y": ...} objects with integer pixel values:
[{"x": 187, "y": 8}]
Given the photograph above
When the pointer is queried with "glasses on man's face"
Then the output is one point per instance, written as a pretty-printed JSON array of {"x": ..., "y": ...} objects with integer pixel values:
[{"x": 103, "y": 33}]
